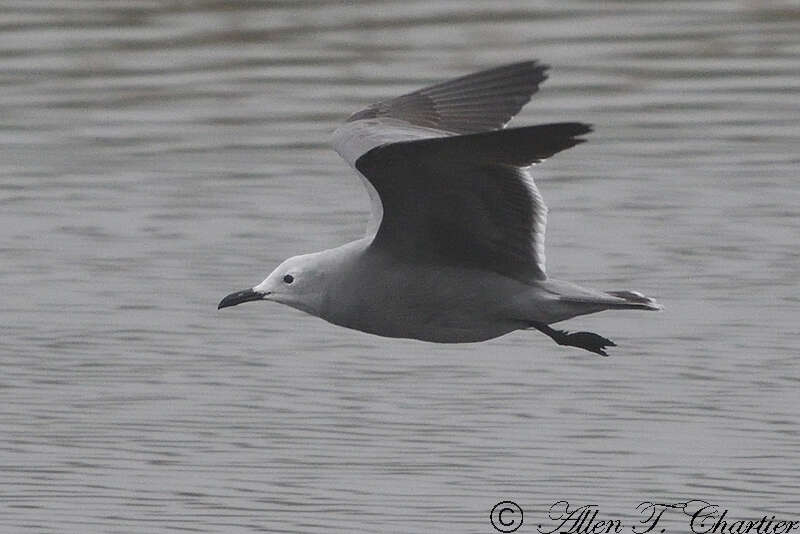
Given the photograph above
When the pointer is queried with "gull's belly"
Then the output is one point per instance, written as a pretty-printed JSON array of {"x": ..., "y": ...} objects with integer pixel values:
[
  {"x": 435, "y": 303},
  {"x": 436, "y": 322}
]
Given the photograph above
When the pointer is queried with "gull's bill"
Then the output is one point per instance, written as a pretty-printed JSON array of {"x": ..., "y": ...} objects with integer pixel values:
[{"x": 245, "y": 295}]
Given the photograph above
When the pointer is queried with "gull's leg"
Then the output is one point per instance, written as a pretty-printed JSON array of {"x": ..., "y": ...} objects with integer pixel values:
[{"x": 584, "y": 340}]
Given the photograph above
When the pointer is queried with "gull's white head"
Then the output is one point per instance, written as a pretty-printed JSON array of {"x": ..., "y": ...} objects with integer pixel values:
[{"x": 298, "y": 282}]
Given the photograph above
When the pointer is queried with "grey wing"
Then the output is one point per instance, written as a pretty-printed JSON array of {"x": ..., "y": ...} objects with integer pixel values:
[
  {"x": 478, "y": 102},
  {"x": 467, "y": 199}
]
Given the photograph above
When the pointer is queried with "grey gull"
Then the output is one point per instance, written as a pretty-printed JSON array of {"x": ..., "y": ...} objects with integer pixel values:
[{"x": 454, "y": 251}]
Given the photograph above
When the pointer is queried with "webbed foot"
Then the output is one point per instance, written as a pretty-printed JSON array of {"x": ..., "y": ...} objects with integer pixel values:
[{"x": 583, "y": 340}]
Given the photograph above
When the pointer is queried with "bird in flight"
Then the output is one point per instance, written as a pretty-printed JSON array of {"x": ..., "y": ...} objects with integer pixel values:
[{"x": 454, "y": 250}]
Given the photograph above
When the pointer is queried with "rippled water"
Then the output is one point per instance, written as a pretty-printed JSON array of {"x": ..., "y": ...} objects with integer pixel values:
[{"x": 157, "y": 155}]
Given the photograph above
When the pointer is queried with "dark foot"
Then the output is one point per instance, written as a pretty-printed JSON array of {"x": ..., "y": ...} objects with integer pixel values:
[{"x": 584, "y": 340}]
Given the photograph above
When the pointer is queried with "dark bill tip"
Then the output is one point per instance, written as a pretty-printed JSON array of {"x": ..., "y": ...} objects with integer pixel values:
[{"x": 244, "y": 295}]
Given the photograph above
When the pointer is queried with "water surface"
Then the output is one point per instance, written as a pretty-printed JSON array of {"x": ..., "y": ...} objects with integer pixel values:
[{"x": 155, "y": 156}]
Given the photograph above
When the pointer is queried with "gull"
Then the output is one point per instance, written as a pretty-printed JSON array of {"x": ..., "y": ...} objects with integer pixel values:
[{"x": 454, "y": 250}]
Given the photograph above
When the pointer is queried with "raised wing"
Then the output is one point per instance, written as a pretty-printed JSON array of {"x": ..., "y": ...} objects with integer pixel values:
[
  {"x": 467, "y": 199},
  {"x": 478, "y": 102}
]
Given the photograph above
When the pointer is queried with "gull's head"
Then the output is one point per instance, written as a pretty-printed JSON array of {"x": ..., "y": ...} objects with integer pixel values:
[{"x": 297, "y": 282}]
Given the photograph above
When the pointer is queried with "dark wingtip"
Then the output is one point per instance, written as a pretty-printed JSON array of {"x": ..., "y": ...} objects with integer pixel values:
[
  {"x": 535, "y": 66},
  {"x": 576, "y": 129},
  {"x": 580, "y": 128}
]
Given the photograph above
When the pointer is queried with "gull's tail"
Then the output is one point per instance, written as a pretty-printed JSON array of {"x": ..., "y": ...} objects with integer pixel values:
[
  {"x": 634, "y": 300},
  {"x": 607, "y": 300}
]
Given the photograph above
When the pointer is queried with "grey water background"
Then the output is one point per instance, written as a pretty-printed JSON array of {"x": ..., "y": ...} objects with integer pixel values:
[{"x": 157, "y": 155}]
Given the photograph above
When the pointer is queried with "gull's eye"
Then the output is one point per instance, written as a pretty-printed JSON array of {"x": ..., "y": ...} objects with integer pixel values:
[{"x": 288, "y": 278}]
